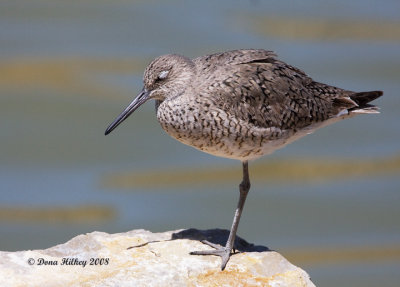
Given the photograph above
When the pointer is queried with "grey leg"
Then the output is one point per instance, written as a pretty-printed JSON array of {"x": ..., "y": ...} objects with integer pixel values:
[{"x": 225, "y": 251}]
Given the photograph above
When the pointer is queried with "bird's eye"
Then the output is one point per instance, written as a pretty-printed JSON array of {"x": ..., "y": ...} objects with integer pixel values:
[{"x": 163, "y": 75}]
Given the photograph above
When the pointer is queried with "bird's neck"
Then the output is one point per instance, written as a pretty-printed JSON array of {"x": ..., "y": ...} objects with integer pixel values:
[{"x": 158, "y": 103}]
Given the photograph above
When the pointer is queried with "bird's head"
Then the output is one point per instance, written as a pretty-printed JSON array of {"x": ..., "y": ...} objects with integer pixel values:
[{"x": 166, "y": 76}]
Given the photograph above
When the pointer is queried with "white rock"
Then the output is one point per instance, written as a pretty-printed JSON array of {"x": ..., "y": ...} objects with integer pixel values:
[{"x": 101, "y": 259}]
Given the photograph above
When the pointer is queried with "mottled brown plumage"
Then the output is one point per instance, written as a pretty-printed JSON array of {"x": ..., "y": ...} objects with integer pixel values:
[{"x": 241, "y": 104}]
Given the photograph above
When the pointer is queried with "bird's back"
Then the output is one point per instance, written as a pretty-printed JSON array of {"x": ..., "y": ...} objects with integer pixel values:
[{"x": 256, "y": 87}]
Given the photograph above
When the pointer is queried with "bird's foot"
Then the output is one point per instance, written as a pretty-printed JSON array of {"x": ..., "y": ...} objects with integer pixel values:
[{"x": 222, "y": 251}]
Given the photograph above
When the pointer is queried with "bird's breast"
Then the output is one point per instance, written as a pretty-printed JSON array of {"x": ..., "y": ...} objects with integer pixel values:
[{"x": 202, "y": 125}]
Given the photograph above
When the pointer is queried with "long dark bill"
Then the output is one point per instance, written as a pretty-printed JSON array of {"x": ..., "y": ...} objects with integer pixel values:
[{"x": 137, "y": 102}]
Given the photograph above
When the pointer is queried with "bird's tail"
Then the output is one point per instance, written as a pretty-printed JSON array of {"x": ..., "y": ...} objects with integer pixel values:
[{"x": 363, "y": 100}]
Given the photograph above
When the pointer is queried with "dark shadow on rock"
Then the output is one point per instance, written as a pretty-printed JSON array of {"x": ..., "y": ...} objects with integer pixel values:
[{"x": 218, "y": 236}]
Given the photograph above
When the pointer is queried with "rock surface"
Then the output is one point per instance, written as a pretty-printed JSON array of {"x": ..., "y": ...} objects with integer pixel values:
[{"x": 158, "y": 259}]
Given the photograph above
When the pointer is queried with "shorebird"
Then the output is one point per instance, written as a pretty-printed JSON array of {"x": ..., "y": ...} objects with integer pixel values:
[{"x": 240, "y": 104}]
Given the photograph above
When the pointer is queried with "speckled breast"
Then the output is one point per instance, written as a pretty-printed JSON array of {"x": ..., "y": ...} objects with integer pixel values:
[{"x": 213, "y": 131}]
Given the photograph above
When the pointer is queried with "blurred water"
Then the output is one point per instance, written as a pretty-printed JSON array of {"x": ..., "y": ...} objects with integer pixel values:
[{"x": 68, "y": 68}]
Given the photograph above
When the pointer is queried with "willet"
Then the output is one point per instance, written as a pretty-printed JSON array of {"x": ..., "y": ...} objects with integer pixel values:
[{"x": 241, "y": 104}]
